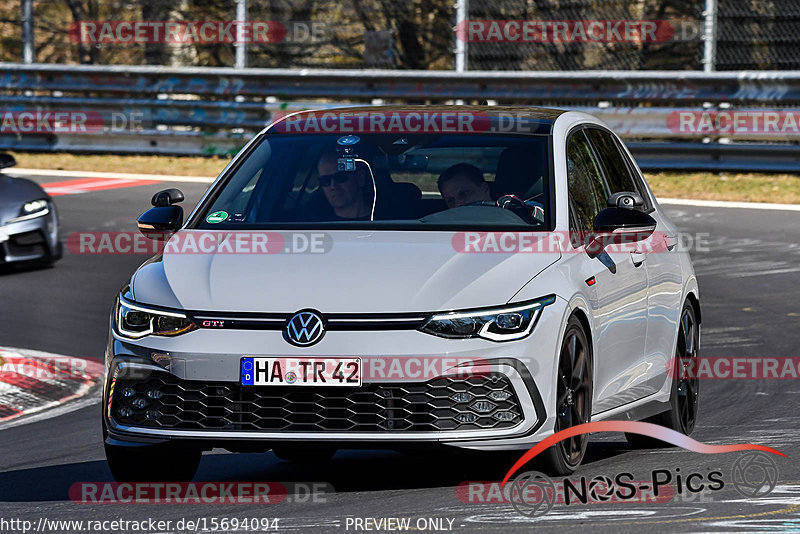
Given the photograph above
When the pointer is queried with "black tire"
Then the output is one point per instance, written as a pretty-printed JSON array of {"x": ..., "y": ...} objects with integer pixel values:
[
  {"x": 305, "y": 454},
  {"x": 58, "y": 253},
  {"x": 684, "y": 396},
  {"x": 574, "y": 384},
  {"x": 152, "y": 463}
]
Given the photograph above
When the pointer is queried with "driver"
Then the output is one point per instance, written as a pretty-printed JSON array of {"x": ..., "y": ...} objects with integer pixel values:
[
  {"x": 346, "y": 191},
  {"x": 463, "y": 184}
]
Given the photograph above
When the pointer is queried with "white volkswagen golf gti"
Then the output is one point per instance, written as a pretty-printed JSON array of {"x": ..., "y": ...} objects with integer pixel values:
[{"x": 403, "y": 277}]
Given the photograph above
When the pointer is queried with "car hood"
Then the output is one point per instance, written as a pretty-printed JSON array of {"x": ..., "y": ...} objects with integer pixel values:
[
  {"x": 14, "y": 192},
  {"x": 360, "y": 272}
]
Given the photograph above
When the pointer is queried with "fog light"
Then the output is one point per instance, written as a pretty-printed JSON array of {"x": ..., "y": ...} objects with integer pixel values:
[
  {"x": 125, "y": 412},
  {"x": 152, "y": 414},
  {"x": 462, "y": 396},
  {"x": 499, "y": 395},
  {"x": 127, "y": 392},
  {"x": 139, "y": 403},
  {"x": 466, "y": 418},
  {"x": 505, "y": 416},
  {"x": 483, "y": 406},
  {"x": 154, "y": 394}
]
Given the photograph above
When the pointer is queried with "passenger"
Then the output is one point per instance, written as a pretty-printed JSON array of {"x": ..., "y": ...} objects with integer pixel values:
[
  {"x": 349, "y": 193},
  {"x": 463, "y": 184}
]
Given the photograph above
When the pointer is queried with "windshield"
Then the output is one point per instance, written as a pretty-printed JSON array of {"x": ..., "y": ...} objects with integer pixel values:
[{"x": 385, "y": 181}]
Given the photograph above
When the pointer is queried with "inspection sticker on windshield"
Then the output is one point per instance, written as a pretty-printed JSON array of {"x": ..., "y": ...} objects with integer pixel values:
[
  {"x": 324, "y": 372},
  {"x": 217, "y": 217}
]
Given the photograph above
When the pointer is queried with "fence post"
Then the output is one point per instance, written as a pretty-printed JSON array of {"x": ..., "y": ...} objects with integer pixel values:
[
  {"x": 28, "y": 55},
  {"x": 710, "y": 36},
  {"x": 241, "y": 45},
  {"x": 462, "y": 10}
]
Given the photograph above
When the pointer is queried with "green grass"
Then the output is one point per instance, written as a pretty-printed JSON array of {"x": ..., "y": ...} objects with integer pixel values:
[{"x": 746, "y": 187}]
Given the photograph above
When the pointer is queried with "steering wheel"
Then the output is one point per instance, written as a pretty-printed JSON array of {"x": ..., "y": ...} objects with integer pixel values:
[{"x": 530, "y": 212}]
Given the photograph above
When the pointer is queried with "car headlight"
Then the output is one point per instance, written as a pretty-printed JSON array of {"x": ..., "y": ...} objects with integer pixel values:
[
  {"x": 506, "y": 323},
  {"x": 33, "y": 207},
  {"x": 135, "y": 321},
  {"x": 32, "y": 210}
]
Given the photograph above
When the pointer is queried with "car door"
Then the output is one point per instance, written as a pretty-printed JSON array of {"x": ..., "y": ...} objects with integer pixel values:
[
  {"x": 659, "y": 254},
  {"x": 620, "y": 288}
]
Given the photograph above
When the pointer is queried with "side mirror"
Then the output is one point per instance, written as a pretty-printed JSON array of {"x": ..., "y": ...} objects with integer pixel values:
[
  {"x": 619, "y": 226},
  {"x": 6, "y": 161},
  {"x": 157, "y": 223}
]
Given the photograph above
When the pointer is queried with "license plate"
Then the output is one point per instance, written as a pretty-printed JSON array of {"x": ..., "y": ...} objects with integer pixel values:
[
  {"x": 3, "y": 235},
  {"x": 321, "y": 372}
]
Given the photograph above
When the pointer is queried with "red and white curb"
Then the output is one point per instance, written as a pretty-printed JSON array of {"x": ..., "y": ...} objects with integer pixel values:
[{"x": 32, "y": 381}]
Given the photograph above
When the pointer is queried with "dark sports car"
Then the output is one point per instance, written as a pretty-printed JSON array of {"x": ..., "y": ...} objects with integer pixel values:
[{"x": 28, "y": 220}]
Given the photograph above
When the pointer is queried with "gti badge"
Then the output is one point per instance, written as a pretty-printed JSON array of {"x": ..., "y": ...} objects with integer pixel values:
[{"x": 305, "y": 328}]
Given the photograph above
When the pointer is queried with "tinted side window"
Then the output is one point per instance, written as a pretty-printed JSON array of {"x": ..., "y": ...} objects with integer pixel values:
[
  {"x": 587, "y": 191},
  {"x": 618, "y": 173}
]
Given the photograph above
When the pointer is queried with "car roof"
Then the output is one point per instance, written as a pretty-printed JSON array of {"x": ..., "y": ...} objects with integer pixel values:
[{"x": 495, "y": 119}]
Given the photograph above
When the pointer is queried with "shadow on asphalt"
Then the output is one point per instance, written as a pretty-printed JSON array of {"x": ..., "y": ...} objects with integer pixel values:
[
  {"x": 349, "y": 471},
  {"x": 7, "y": 269}
]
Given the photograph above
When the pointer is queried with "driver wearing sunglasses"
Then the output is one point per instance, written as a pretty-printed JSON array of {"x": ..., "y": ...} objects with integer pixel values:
[{"x": 346, "y": 191}]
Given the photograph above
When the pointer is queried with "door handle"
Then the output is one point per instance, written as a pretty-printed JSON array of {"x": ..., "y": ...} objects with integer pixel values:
[{"x": 638, "y": 258}]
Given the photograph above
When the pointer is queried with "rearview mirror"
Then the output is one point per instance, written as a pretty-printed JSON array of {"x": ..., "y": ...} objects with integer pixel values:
[
  {"x": 619, "y": 226},
  {"x": 167, "y": 197}
]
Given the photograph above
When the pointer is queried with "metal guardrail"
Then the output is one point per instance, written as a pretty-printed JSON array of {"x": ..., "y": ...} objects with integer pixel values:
[{"x": 214, "y": 110}]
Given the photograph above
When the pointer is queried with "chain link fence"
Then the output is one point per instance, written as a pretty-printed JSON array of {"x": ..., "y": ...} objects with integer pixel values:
[{"x": 510, "y": 35}]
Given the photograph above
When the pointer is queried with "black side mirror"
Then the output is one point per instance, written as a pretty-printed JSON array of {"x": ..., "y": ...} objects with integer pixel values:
[
  {"x": 619, "y": 225},
  {"x": 6, "y": 161},
  {"x": 164, "y": 219},
  {"x": 167, "y": 197},
  {"x": 159, "y": 222}
]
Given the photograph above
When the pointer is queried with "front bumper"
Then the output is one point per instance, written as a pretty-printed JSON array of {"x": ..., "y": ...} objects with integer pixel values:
[
  {"x": 33, "y": 239},
  {"x": 205, "y": 405}
]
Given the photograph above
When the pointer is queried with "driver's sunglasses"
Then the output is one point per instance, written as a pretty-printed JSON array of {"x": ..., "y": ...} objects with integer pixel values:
[{"x": 340, "y": 178}]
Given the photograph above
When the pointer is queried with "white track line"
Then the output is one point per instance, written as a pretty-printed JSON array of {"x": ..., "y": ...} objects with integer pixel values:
[
  {"x": 728, "y": 204},
  {"x": 111, "y": 175}
]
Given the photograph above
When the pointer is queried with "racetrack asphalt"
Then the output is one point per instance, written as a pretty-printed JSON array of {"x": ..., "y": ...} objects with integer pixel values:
[{"x": 747, "y": 263}]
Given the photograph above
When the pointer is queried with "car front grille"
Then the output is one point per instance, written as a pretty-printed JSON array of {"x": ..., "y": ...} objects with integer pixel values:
[
  {"x": 27, "y": 244},
  {"x": 443, "y": 404}
]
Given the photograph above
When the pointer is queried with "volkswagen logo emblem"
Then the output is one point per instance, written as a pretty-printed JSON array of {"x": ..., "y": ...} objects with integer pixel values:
[{"x": 305, "y": 328}]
